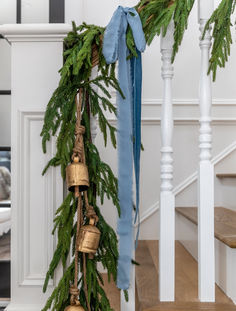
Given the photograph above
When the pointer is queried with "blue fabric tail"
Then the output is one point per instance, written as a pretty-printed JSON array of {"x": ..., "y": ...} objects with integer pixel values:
[
  {"x": 128, "y": 114},
  {"x": 136, "y": 65}
]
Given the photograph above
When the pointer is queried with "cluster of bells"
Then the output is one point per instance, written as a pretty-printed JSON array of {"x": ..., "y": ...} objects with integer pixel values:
[{"x": 89, "y": 235}]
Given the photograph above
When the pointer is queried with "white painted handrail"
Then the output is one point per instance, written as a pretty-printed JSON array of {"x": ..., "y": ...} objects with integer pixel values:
[
  {"x": 34, "y": 32},
  {"x": 206, "y": 256},
  {"x": 167, "y": 200}
]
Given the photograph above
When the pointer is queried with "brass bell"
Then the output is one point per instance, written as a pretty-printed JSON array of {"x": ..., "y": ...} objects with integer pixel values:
[
  {"x": 74, "y": 308},
  {"x": 77, "y": 176},
  {"x": 89, "y": 237}
]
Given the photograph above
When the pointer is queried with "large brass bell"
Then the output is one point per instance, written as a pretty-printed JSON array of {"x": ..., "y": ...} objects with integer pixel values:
[
  {"x": 89, "y": 237},
  {"x": 77, "y": 176},
  {"x": 74, "y": 308}
]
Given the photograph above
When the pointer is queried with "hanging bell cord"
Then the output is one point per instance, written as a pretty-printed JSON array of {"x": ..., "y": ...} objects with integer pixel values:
[
  {"x": 78, "y": 150},
  {"x": 79, "y": 156},
  {"x": 74, "y": 291}
]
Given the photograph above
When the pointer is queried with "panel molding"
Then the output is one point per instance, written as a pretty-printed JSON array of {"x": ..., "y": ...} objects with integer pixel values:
[
  {"x": 186, "y": 111},
  {"x": 26, "y": 277}
]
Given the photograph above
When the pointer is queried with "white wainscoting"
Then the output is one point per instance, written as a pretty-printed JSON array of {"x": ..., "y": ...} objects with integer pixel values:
[{"x": 37, "y": 204}]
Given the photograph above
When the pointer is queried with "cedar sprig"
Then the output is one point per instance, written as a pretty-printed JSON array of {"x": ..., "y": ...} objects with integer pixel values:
[
  {"x": 156, "y": 16},
  {"x": 59, "y": 121},
  {"x": 222, "y": 38}
]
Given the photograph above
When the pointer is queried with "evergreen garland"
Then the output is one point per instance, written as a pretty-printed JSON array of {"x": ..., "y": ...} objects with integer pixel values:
[
  {"x": 222, "y": 38},
  {"x": 60, "y": 119},
  {"x": 156, "y": 16}
]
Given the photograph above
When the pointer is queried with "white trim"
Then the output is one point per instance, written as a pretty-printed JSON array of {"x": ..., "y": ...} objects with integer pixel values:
[
  {"x": 34, "y": 32},
  {"x": 188, "y": 181},
  {"x": 182, "y": 121},
  {"x": 190, "y": 102},
  {"x": 183, "y": 101},
  {"x": 34, "y": 29}
]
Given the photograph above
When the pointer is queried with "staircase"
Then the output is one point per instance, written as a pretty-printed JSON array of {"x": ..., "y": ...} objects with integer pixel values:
[
  {"x": 186, "y": 298},
  {"x": 186, "y": 268},
  {"x": 186, "y": 282}
]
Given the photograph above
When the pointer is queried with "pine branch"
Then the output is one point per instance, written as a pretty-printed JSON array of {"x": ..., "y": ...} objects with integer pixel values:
[
  {"x": 222, "y": 38},
  {"x": 156, "y": 16},
  {"x": 59, "y": 121}
]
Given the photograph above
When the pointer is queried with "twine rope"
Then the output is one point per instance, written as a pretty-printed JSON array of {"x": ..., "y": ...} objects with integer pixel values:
[
  {"x": 78, "y": 152},
  {"x": 74, "y": 291}
]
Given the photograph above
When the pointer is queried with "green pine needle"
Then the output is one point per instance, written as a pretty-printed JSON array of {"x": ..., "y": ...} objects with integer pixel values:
[{"x": 222, "y": 38}]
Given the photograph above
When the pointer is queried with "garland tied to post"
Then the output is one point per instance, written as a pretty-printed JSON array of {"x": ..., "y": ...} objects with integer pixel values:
[{"x": 83, "y": 50}]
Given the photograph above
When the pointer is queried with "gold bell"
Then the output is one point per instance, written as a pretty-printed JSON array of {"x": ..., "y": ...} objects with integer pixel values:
[
  {"x": 89, "y": 237},
  {"x": 74, "y": 308},
  {"x": 77, "y": 176}
]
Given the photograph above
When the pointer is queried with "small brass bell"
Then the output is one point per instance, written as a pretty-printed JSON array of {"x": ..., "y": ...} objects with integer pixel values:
[
  {"x": 74, "y": 308},
  {"x": 77, "y": 176},
  {"x": 89, "y": 237}
]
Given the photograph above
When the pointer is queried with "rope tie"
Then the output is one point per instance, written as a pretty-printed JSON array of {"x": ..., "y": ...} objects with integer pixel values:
[
  {"x": 78, "y": 152},
  {"x": 90, "y": 212},
  {"x": 74, "y": 292}
]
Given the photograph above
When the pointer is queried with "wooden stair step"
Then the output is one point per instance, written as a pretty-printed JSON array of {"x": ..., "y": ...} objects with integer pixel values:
[
  {"x": 225, "y": 223},
  {"x": 113, "y": 293},
  {"x": 186, "y": 283},
  {"x": 226, "y": 175},
  {"x": 186, "y": 293},
  {"x": 146, "y": 278}
]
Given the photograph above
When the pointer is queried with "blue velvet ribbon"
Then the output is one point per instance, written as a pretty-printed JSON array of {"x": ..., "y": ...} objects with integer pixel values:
[{"x": 129, "y": 125}]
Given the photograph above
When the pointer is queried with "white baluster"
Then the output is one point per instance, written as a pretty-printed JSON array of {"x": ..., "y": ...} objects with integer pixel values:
[
  {"x": 206, "y": 256},
  {"x": 167, "y": 200}
]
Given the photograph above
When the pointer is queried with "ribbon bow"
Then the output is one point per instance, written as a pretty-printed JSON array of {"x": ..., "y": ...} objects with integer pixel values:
[{"x": 129, "y": 125}]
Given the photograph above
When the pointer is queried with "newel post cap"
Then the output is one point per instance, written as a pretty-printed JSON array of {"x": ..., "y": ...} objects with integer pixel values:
[{"x": 34, "y": 32}]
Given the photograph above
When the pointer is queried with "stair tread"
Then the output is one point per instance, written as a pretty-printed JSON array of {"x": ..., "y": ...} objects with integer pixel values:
[
  {"x": 225, "y": 223},
  {"x": 113, "y": 293},
  {"x": 226, "y": 175},
  {"x": 186, "y": 287},
  {"x": 146, "y": 276}
]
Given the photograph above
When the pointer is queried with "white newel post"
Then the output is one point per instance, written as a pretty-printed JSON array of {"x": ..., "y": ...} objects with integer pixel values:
[
  {"x": 36, "y": 52},
  {"x": 206, "y": 255},
  {"x": 167, "y": 199}
]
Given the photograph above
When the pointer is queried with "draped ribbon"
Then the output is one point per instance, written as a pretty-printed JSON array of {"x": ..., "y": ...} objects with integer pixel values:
[{"x": 129, "y": 125}]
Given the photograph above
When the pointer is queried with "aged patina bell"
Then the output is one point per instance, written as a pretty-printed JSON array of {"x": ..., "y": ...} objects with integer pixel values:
[
  {"x": 89, "y": 237},
  {"x": 74, "y": 308},
  {"x": 77, "y": 176}
]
